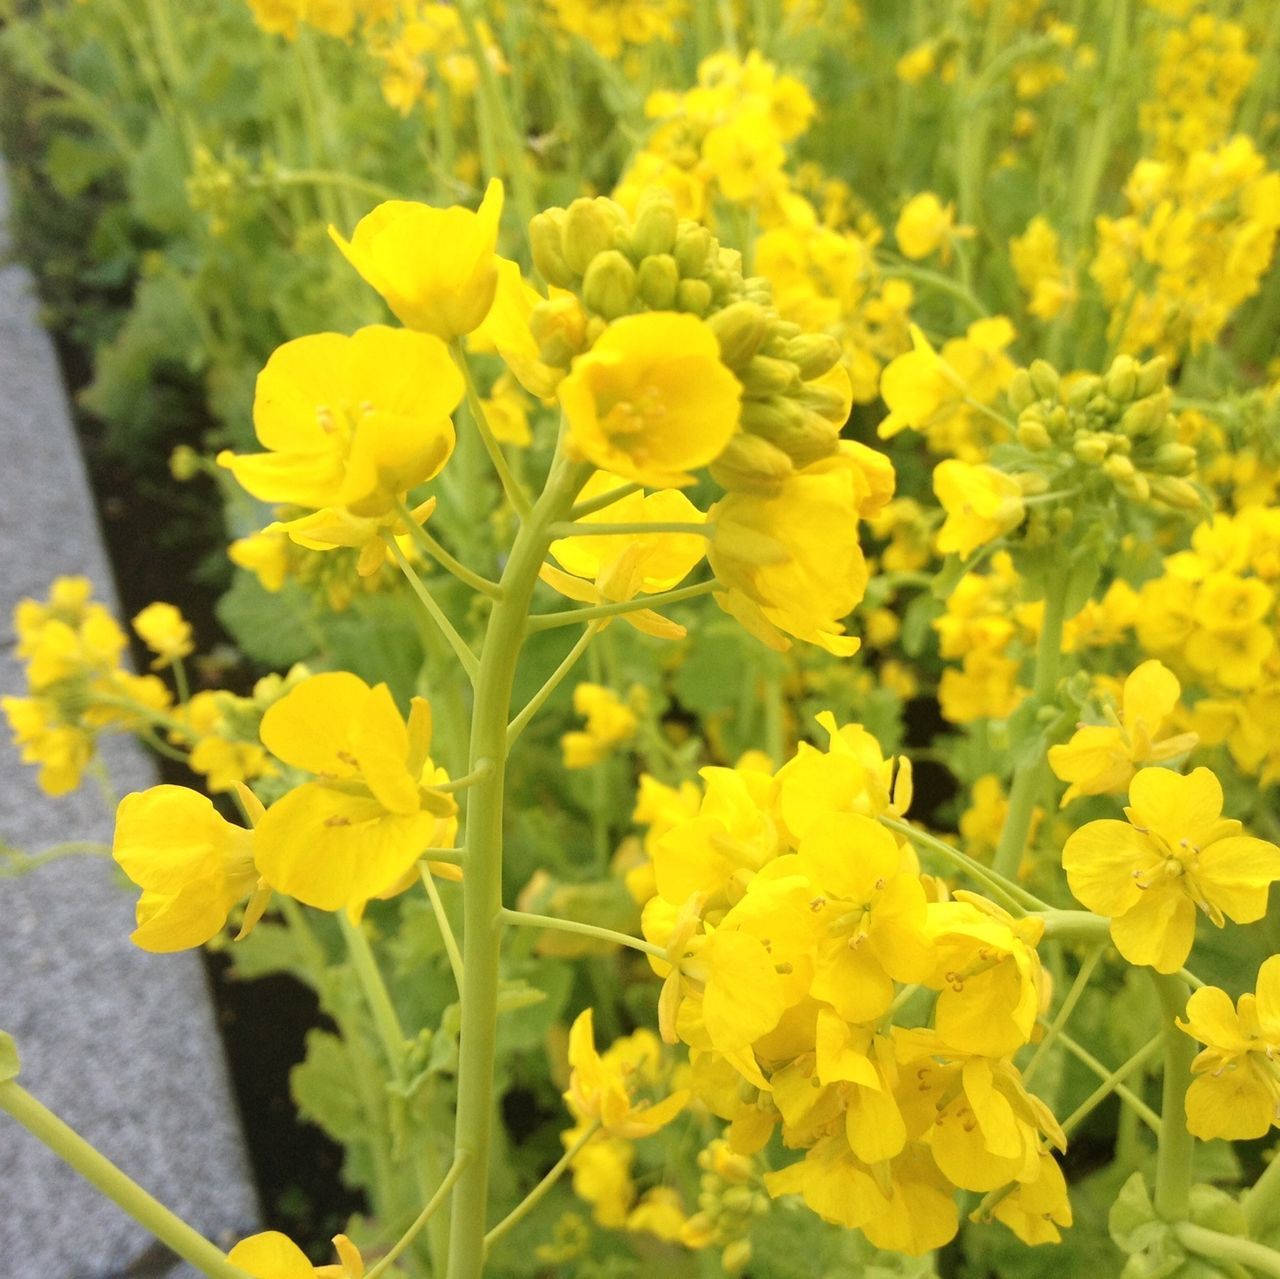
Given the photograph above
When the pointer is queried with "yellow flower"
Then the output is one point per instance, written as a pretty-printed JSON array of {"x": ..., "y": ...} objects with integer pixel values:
[
  {"x": 436, "y": 269},
  {"x": 359, "y": 829},
  {"x": 609, "y": 722},
  {"x": 1235, "y": 1094},
  {"x": 651, "y": 401},
  {"x": 1176, "y": 853},
  {"x": 926, "y": 225},
  {"x": 1101, "y": 759},
  {"x": 981, "y": 503},
  {"x": 62, "y": 751},
  {"x": 271, "y": 1255},
  {"x": 164, "y": 630},
  {"x": 350, "y": 422},
  {"x": 191, "y": 865},
  {"x": 604, "y": 1086},
  {"x": 792, "y": 564},
  {"x": 1038, "y": 1206}
]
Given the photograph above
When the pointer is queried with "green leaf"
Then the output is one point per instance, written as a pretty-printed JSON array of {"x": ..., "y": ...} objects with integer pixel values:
[
  {"x": 1133, "y": 1222},
  {"x": 322, "y": 1087},
  {"x": 271, "y": 628},
  {"x": 9, "y": 1061},
  {"x": 74, "y": 163},
  {"x": 527, "y": 1012}
]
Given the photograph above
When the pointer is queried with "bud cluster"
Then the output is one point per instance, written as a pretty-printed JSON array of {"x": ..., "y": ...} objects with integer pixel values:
[
  {"x": 1117, "y": 425},
  {"x": 615, "y": 266},
  {"x": 731, "y": 1197}
]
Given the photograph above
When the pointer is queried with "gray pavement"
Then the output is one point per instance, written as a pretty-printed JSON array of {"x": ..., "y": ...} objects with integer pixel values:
[{"x": 120, "y": 1043}]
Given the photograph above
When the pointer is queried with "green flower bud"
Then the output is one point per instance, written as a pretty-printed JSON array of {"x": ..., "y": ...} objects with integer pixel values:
[
  {"x": 740, "y": 329},
  {"x": 814, "y": 354},
  {"x": 1118, "y": 468},
  {"x": 546, "y": 232},
  {"x": 1032, "y": 482},
  {"x": 1082, "y": 392},
  {"x": 1032, "y": 435},
  {"x": 692, "y": 249},
  {"x": 1122, "y": 379},
  {"x": 693, "y": 296},
  {"x": 802, "y": 435},
  {"x": 1146, "y": 416},
  {"x": 826, "y": 401},
  {"x": 1063, "y": 518},
  {"x": 750, "y": 464},
  {"x": 559, "y": 327},
  {"x": 656, "y": 224},
  {"x": 184, "y": 463},
  {"x": 588, "y": 229},
  {"x": 765, "y": 376},
  {"x": 1137, "y": 486},
  {"x": 656, "y": 281},
  {"x": 609, "y": 287},
  {"x": 1059, "y": 419},
  {"x": 1153, "y": 376},
  {"x": 736, "y": 1257},
  {"x": 1089, "y": 449},
  {"x": 1175, "y": 492},
  {"x": 1020, "y": 392},
  {"x": 1173, "y": 459},
  {"x": 1044, "y": 378}
]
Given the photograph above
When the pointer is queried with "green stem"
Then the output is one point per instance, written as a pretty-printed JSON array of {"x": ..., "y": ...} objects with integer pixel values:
[
  {"x": 1261, "y": 1201},
  {"x": 442, "y": 556},
  {"x": 1220, "y": 1247},
  {"x": 536, "y": 702},
  {"x": 467, "y": 780},
  {"x": 534, "y": 1197},
  {"x": 570, "y": 617},
  {"x": 383, "y": 1012},
  {"x": 515, "y": 493},
  {"x": 121, "y": 1189},
  {"x": 331, "y": 178},
  {"x": 1093, "y": 161},
  {"x": 462, "y": 651},
  {"x": 629, "y": 530},
  {"x": 592, "y": 504},
  {"x": 442, "y": 920},
  {"x": 1177, "y": 1145},
  {"x": 939, "y": 283},
  {"x": 523, "y": 919},
  {"x": 1028, "y": 776},
  {"x": 1064, "y": 1013},
  {"x": 432, "y": 1206},
  {"x": 1075, "y": 925},
  {"x": 1111, "y": 1083},
  {"x": 482, "y": 888},
  {"x": 1013, "y": 895}
]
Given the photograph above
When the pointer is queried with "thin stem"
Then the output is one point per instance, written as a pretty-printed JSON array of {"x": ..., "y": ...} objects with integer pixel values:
[
  {"x": 536, "y": 702},
  {"x": 385, "y": 1018},
  {"x": 1029, "y": 774},
  {"x": 121, "y": 1189},
  {"x": 180, "y": 681},
  {"x": 522, "y": 919},
  {"x": 630, "y": 530},
  {"x": 432, "y": 1206},
  {"x": 1075, "y": 925},
  {"x": 1219, "y": 1247},
  {"x": 1064, "y": 1012},
  {"x": 515, "y": 493},
  {"x": 534, "y": 1197},
  {"x": 1177, "y": 1145},
  {"x": 330, "y": 177},
  {"x": 1013, "y": 895},
  {"x": 469, "y": 661},
  {"x": 545, "y": 621},
  {"x": 939, "y": 283},
  {"x": 1112, "y": 1083},
  {"x": 442, "y": 556},
  {"x": 589, "y": 506},
  {"x": 442, "y": 919},
  {"x": 467, "y": 780}
]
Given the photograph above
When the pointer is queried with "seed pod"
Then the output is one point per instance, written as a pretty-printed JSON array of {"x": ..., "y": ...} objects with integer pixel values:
[{"x": 609, "y": 287}]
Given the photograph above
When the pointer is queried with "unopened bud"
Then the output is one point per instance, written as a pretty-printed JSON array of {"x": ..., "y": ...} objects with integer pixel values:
[
  {"x": 1032, "y": 435},
  {"x": 803, "y": 436},
  {"x": 184, "y": 463},
  {"x": 656, "y": 223},
  {"x": 831, "y": 402},
  {"x": 693, "y": 247},
  {"x": 1146, "y": 416},
  {"x": 1082, "y": 391},
  {"x": 1176, "y": 492},
  {"x": 1044, "y": 378},
  {"x": 1174, "y": 459},
  {"x": 740, "y": 329},
  {"x": 1032, "y": 483},
  {"x": 750, "y": 464},
  {"x": 1153, "y": 376},
  {"x": 1137, "y": 486},
  {"x": 609, "y": 287},
  {"x": 1020, "y": 392},
  {"x": 1063, "y": 518},
  {"x": 693, "y": 296},
  {"x": 656, "y": 281},
  {"x": 546, "y": 241},
  {"x": 559, "y": 327},
  {"x": 1118, "y": 467},
  {"x": 588, "y": 229},
  {"x": 814, "y": 354},
  {"x": 1089, "y": 449},
  {"x": 765, "y": 376},
  {"x": 1122, "y": 379},
  {"x": 736, "y": 1257}
]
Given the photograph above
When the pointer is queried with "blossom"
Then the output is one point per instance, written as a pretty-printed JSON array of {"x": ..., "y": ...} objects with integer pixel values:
[
  {"x": 356, "y": 831},
  {"x": 651, "y": 401},
  {"x": 164, "y": 630},
  {"x": 1101, "y": 759},
  {"x": 926, "y": 225},
  {"x": 191, "y": 864},
  {"x": 1176, "y": 853},
  {"x": 609, "y": 722},
  {"x": 436, "y": 269},
  {"x": 981, "y": 503},
  {"x": 350, "y": 422},
  {"x": 1235, "y": 1094}
]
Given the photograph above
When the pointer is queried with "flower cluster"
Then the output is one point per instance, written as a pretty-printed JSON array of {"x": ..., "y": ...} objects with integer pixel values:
[{"x": 609, "y": 26}]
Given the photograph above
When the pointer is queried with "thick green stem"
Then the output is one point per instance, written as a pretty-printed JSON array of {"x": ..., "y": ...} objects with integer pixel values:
[
  {"x": 121, "y": 1189},
  {"x": 1029, "y": 775},
  {"x": 1220, "y": 1247},
  {"x": 482, "y": 890},
  {"x": 1261, "y": 1201},
  {"x": 1173, "y": 1158}
]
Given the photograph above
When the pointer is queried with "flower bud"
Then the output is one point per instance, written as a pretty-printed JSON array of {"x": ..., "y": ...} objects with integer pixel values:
[
  {"x": 1118, "y": 467},
  {"x": 588, "y": 229},
  {"x": 740, "y": 329},
  {"x": 546, "y": 232},
  {"x": 1122, "y": 379},
  {"x": 1044, "y": 378},
  {"x": 558, "y": 326},
  {"x": 693, "y": 247},
  {"x": 1146, "y": 416},
  {"x": 184, "y": 463},
  {"x": 656, "y": 281},
  {"x": 1082, "y": 391},
  {"x": 656, "y": 224},
  {"x": 765, "y": 376},
  {"x": 1089, "y": 449},
  {"x": 826, "y": 401},
  {"x": 609, "y": 287},
  {"x": 1176, "y": 492},
  {"x": 750, "y": 464},
  {"x": 1032, "y": 434},
  {"x": 1020, "y": 392},
  {"x": 736, "y": 1257},
  {"x": 1153, "y": 376},
  {"x": 1174, "y": 459},
  {"x": 1063, "y": 518},
  {"x": 803, "y": 436},
  {"x": 693, "y": 296},
  {"x": 814, "y": 354}
]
